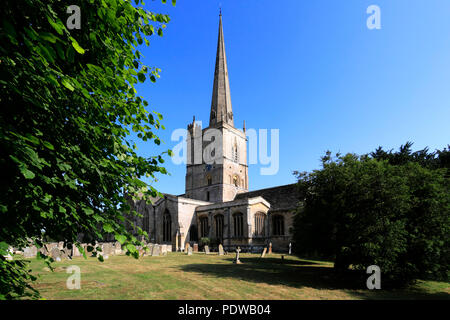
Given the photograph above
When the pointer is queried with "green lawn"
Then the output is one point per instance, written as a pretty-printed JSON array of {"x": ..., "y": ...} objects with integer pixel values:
[{"x": 200, "y": 276}]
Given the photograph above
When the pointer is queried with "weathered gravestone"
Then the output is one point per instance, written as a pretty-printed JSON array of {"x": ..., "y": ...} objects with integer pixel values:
[
  {"x": 186, "y": 247},
  {"x": 206, "y": 249},
  {"x": 117, "y": 248},
  {"x": 149, "y": 250},
  {"x": 55, "y": 254},
  {"x": 189, "y": 251},
  {"x": 30, "y": 252},
  {"x": 107, "y": 249},
  {"x": 195, "y": 247},
  {"x": 156, "y": 250},
  {"x": 270, "y": 248},
  {"x": 76, "y": 252},
  {"x": 65, "y": 253},
  {"x": 290, "y": 248},
  {"x": 237, "y": 261},
  {"x": 164, "y": 250},
  {"x": 263, "y": 254},
  {"x": 220, "y": 250}
]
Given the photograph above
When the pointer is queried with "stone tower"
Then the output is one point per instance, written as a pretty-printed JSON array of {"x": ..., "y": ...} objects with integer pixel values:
[{"x": 217, "y": 155}]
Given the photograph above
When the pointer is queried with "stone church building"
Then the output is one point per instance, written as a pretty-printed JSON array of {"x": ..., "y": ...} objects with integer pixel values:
[{"x": 217, "y": 204}]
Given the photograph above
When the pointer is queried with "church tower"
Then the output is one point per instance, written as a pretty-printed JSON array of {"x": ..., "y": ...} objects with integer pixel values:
[{"x": 217, "y": 155}]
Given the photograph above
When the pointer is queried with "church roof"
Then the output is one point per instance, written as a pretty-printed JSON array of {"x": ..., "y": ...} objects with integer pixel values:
[
  {"x": 221, "y": 110},
  {"x": 280, "y": 198}
]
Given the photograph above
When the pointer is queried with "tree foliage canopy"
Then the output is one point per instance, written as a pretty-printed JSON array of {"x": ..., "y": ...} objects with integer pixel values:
[
  {"x": 68, "y": 107},
  {"x": 386, "y": 209}
]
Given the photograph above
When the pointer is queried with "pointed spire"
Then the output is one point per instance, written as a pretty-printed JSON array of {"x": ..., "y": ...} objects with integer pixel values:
[{"x": 221, "y": 110}]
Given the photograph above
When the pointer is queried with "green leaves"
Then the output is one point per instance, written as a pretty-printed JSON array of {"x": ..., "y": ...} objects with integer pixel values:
[
  {"x": 77, "y": 47},
  {"x": 69, "y": 103}
]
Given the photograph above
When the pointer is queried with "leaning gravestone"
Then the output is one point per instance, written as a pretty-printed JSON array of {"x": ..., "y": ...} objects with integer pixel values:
[
  {"x": 30, "y": 252},
  {"x": 56, "y": 254},
  {"x": 195, "y": 247},
  {"x": 263, "y": 254},
  {"x": 206, "y": 249},
  {"x": 189, "y": 251},
  {"x": 220, "y": 250},
  {"x": 156, "y": 250}
]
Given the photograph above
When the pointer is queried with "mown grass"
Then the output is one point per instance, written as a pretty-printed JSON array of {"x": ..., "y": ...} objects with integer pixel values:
[{"x": 200, "y": 276}]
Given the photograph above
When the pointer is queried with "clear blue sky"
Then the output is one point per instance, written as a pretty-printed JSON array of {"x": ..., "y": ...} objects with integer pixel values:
[{"x": 311, "y": 69}]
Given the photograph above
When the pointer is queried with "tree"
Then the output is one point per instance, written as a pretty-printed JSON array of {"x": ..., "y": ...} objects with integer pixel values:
[
  {"x": 68, "y": 108},
  {"x": 361, "y": 211}
]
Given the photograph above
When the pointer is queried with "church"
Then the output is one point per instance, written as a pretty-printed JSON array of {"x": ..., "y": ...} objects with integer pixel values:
[{"x": 217, "y": 203}]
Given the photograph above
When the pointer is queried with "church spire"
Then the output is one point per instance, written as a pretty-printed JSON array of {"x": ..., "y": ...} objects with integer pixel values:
[{"x": 221, "y": 110}]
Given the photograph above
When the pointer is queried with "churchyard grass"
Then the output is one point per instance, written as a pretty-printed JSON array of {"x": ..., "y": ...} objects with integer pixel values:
[{"x": 200, "y": 276}]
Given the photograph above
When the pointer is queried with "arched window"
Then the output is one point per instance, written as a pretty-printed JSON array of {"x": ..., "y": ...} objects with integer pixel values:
[
  {"x": 278, "y": 225},
  {"x": 259, "y": 223},
  {"x": 193, "y": 236},
  {"x": 209, "y": 180},
  {"x": 167, "y": 227},
  {"x": 218, "y": 219},
  {"x": 204, "y": 230},
  {"x": 235, "y": 153},
  {"x": 238, "y": 219}
]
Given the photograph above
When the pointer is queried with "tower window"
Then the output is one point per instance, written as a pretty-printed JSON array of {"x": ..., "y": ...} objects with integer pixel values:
[
  {"x": 207, "y": 196},
  {"x": 236, "y": 181},
  {"x": 209, "y": 180},
  {"x": 235, "y": 153}
]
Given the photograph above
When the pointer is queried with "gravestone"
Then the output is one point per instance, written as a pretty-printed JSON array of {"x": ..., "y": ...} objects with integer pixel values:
[
  {"x": 263, "y": 254},
  {"x": 220, "y": 250},
  {"x": 76, "y": 252},
  {"x": 30, "y": 252},
  {"x": 206, "y": 249},
  {"x": 237, "y": 261},
  {"x": 189, "y": 251},
  {"x": 164, "y": 250},
  {"x": 195, "y": 247},
  {"x": 61, "y": 245},
  {"x": 117, "y": 248},
  {"x": 290, "y": 248},
  {"x": 107, "y": 249},
  {"x": 186, "y": 247},
  {"x": 156, "y": 250},
  {"x": 270, "y": 248},
  {"x": 65, "y": 253},
  {"x": 56, "y": 254},
  {"x": 149, "y": 251}
]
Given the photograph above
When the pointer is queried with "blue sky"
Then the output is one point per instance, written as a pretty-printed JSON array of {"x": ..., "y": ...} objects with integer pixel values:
[{"x": 311, "y": 69}]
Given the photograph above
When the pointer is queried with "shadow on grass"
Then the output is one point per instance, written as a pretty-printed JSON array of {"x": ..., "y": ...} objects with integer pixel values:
[{"x": 298, "y": 274}]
